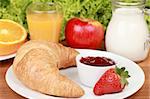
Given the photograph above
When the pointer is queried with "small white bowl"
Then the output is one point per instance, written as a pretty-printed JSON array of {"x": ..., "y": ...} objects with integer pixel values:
[{"x": 89, "y": 75}]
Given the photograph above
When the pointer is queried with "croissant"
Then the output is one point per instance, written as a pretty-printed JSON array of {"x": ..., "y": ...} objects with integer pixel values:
[{"x": 37, "y": 65}]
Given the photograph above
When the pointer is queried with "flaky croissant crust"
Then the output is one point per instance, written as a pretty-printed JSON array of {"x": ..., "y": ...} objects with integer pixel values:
[{"x": 37, "y": 65}]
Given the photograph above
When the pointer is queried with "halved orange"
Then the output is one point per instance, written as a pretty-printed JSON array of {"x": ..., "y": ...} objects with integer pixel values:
[{"x": 12, "y": 36}]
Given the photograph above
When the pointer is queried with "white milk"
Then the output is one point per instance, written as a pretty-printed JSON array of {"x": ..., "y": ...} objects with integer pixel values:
[{"x": 127, "y": 34}]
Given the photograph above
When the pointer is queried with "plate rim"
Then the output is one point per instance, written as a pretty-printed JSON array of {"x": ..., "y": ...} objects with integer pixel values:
[{"x": 7, "y": 56}]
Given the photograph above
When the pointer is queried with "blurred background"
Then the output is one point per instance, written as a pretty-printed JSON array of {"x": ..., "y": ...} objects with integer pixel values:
[{"x": 96, "y": 9}]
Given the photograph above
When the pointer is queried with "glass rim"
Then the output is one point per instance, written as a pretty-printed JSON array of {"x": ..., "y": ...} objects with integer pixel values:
[
  {"x": 135, "y": 3},
  {"x": 147, "y": 11},
  {"x": 43, "y": 3}
]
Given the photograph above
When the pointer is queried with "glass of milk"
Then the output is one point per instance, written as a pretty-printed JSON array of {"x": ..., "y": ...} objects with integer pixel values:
[{"x": 127, "y": 33}]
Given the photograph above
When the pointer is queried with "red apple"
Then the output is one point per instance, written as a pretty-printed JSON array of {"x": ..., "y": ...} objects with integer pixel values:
[{"x": 84, "y": 33}]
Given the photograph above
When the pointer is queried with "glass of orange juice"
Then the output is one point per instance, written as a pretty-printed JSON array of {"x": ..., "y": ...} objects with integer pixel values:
[{"x": 44, "y": 21}]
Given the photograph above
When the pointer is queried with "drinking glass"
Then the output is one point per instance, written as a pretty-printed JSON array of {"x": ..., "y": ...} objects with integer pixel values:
[{"x": 44, "y": 21}]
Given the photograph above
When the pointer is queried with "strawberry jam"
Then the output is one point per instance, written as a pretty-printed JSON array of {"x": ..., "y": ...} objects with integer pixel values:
[{"x": 97, "y": 61}]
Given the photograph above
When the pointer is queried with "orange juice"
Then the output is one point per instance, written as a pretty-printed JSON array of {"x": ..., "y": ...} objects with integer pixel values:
[{"x": 44, "y": 25}]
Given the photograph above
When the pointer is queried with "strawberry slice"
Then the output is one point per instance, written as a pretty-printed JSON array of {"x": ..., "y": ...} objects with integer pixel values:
[{"x": 113, "y": 80}]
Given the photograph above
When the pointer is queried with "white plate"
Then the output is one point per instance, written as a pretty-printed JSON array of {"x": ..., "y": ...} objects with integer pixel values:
[
  {"x": 7, "y": 57},
  {"x": 135, "y": 84}
]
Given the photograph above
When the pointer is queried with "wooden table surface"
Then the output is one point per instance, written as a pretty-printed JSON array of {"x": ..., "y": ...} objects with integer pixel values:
[{"x": 7, "y": 93}]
